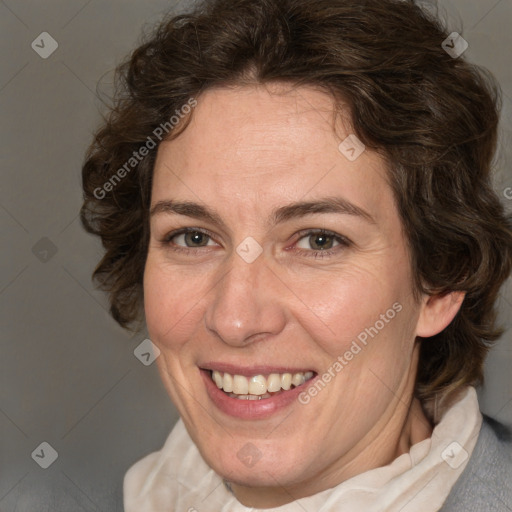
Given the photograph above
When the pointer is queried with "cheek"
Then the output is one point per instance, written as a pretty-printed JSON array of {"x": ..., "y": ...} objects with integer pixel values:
[
  {"x": 172, "y": 304},
  {"x": 346, "y": 302},
  {"x": 365, "y": 317}
]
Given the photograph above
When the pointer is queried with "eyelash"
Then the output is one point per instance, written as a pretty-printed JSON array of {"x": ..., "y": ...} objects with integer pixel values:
[
  {"x": 167, "y": 240},
  {"x": 317, "y": 254}
]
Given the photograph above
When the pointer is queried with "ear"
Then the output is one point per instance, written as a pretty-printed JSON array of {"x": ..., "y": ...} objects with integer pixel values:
[{"x": 437, "y": 312}]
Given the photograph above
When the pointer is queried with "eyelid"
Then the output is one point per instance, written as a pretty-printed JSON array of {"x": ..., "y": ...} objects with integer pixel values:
[
  {"x": 343, "y": 244},
  {"x": 343, "y": 240},
  {"x": 183, "y": 231}
]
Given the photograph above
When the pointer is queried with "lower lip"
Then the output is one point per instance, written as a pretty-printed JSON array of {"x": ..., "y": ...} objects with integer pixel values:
[{"x": 250, "y": 409}]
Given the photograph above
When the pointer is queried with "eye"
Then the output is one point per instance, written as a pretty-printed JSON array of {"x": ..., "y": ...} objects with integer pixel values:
[
  {"x": 320, "y": 241},
  {"x": 189, "y": 238}
]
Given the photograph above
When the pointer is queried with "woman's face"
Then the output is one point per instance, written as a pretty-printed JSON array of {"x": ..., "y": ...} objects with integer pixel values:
[{"x": 274, "y": 252}]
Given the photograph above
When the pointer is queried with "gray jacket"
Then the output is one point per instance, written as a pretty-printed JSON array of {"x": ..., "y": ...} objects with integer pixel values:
[{"x": 486, "y": 483}]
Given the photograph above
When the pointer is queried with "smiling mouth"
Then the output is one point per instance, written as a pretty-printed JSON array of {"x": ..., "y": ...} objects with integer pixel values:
[{"x": 258, "y": 387}]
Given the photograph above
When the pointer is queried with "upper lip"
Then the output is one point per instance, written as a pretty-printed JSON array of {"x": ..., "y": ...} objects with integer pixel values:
[{"x": 249, "y": 371}]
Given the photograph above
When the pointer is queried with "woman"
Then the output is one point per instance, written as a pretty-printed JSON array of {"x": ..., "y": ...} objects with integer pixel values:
[{"x": 297, "y": 195}]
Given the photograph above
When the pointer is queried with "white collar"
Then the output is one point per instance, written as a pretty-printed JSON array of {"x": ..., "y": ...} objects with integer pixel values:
[{"x": 177, "y": 478}]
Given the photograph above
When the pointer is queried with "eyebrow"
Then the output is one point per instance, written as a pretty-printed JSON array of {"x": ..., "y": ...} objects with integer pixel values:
[
  {"x": 282, "y": 214},
  {"x": 187, "y": 208},
  {"x": 326, "y": 205}
]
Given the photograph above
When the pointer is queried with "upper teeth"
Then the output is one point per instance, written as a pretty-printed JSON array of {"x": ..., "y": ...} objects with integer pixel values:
[{"x": 259, "y": 384}]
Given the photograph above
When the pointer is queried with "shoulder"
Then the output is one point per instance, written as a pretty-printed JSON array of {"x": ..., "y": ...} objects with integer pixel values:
[{"x": 486, "y": 483}]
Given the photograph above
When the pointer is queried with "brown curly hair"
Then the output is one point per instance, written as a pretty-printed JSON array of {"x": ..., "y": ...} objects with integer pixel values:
[{"x": 433, "y": 117}]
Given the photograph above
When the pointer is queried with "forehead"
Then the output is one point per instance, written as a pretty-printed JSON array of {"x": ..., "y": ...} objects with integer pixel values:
[{"x": 266, "y": 144}]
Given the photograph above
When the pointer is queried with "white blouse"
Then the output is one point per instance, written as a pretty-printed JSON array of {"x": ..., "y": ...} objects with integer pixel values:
[{"x": 176, "y": 479}]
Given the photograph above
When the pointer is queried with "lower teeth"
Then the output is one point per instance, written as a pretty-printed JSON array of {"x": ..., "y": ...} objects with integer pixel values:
[
  {"x": 256, "y": 397},
  {"x": 249, "y": 397}
]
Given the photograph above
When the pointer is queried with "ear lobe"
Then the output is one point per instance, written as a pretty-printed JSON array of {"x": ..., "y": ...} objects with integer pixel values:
[{"x": 437, "y": 312}]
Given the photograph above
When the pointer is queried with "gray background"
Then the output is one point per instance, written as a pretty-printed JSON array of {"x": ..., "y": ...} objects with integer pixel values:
[{"x": 68, "y": 373}]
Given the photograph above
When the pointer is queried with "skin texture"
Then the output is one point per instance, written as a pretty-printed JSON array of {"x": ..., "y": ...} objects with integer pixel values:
[{"x": 248, "y": 151}]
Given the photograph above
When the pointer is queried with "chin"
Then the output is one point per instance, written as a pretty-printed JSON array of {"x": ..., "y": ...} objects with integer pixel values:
[{"x": 250, "y": 464}]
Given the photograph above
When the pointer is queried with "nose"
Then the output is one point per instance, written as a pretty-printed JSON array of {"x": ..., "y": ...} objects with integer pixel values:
[{"x": 245, "y": 306}]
